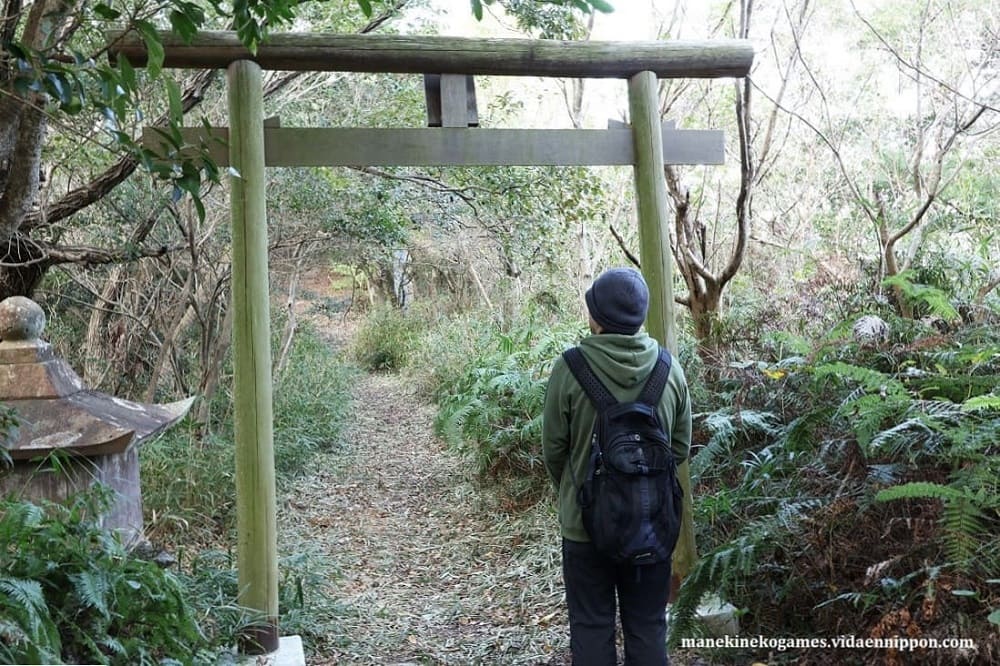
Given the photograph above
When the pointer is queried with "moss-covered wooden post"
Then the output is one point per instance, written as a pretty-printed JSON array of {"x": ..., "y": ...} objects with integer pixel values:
[
  {"x": 656, "y": 260},
  {"x": 257, "y": 557}
]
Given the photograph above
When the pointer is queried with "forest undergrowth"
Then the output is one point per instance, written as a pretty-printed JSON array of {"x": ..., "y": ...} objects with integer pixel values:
[{"x": 845, "y": 485}]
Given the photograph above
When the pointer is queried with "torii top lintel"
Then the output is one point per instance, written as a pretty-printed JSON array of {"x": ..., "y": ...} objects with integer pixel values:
[{"x": 449, "y": 55}]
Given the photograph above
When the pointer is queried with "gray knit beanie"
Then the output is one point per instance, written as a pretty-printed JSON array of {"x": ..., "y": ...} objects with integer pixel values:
[{"x": 618, "y": 300}]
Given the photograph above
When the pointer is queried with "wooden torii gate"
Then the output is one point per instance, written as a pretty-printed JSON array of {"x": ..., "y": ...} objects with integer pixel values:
[{"x": 252, "y": 146}]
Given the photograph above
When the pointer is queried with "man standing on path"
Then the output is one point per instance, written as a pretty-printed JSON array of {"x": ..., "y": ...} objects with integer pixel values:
[{"x": 622, "y": 358}]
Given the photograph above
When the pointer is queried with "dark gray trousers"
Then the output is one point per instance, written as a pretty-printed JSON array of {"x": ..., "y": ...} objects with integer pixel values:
[{"x": 592, "y": 584}]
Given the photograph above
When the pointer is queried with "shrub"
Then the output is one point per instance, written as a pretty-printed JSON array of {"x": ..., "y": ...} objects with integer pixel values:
[
  {"x": 386, "y": 338},
  {"x": 444, "y": 350},
  {"x": 311, "y": 404},
  {"x": 188, "y": 477},
  {"x": 69, "y": 591},
  {"x": 854, "y": 485},
  {"x": 492, "y": 416}
]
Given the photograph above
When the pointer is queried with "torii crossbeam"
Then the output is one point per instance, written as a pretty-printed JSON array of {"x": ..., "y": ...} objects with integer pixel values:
[{"x": 251, "y": 147}]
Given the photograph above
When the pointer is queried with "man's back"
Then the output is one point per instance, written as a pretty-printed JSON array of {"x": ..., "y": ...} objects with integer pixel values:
[
  {"x": 622, "y": 357},
  {"x": 623, "y": 364}
]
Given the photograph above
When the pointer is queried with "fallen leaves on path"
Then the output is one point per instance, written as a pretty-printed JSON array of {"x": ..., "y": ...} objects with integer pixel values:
[{"x": 429, "y": 571}]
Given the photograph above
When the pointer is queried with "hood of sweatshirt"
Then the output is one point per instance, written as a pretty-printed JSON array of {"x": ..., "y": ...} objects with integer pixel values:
[{"x": 622, "y": 360}]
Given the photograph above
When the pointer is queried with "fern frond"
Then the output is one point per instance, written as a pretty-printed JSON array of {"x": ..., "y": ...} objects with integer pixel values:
[
  {"x": 935, "y": 299},
  {"x": 919, "y": 490},
  {"x": 789, "y": 515},
  {"x": 23, "y": 603},
  {"x": 92, "y": 588},
  {"x": 113, "y": 645},
  {"x": 726, "y": 426},
  {"x": 963, "y": 522},
  {"x": 909, "y": 435},
  {"x": 962, "y": 518},
  {"x": 799, "y": 435},
  {"x": 871, "y": 380},
  {"x": 989, "y": 402}
]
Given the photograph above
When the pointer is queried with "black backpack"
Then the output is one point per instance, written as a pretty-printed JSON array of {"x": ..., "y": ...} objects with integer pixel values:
[{"x": 630, "y": 499}]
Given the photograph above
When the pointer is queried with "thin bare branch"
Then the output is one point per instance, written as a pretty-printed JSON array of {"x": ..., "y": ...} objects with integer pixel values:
[
  {"x": 621, "y": 243},
  {"x": 743, "y": 199},
  {"x": 916, "y": 69},
  {"x": 834, "y": 150}
]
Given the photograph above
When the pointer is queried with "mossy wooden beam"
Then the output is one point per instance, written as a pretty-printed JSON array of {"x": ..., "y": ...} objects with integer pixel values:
[
  {"x": 348, "y": 146},
  {"x": 257, "y": 550},
  {"x": 449, "y": 55}
]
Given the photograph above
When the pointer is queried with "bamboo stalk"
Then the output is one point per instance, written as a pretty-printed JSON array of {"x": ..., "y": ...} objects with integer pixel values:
[{"x": 257, "y": 558}]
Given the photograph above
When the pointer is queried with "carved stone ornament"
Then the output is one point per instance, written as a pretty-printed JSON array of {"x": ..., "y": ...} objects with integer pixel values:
[{"x": 56, "y": 413}]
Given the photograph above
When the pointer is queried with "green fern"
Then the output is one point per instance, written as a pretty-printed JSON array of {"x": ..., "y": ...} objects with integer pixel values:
[
  {"x": 982, "y": 403},
  {"x": 727, "y": 426},
  {"x": 92, "y": 588},
  {"x": 912, "y": 435},
  {"x": 877, "y": 399},
  {"x": 963, "y": 520},
  {"x": 33, "y": 634},
  {"x": 934, "y": 299},
  {"x": 73, "y": 589},
  {"x": 720, "y": 570},
  {"x": 492, "y": 413},
  {"x": 918, "y": 490}
]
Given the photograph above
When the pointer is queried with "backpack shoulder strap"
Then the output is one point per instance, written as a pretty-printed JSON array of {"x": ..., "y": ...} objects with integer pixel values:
[
  {"x": 591, "y": 385},
  {"x": 653, "y": 390}
]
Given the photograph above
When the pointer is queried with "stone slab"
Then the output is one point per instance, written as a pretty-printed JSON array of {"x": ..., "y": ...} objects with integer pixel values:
[{"x": 289, "y": 653}]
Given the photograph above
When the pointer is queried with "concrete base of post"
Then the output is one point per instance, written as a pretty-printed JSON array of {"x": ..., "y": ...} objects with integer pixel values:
[
  {"x": 289, "y": 653},
  {"x": 719, "y": 618}
]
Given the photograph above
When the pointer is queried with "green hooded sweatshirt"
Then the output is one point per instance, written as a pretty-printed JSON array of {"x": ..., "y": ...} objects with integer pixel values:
[{"x": 622, "y": 363}]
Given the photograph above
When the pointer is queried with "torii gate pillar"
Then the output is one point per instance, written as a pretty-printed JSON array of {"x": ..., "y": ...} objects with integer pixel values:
[
  {"x": 657, "y": 263},
  {"x": 257, "y": 545}
]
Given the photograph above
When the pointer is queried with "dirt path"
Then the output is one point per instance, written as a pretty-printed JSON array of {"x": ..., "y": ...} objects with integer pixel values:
[
  {"x": 427, "y": 569},
  {"x": 428, "y": 572}
]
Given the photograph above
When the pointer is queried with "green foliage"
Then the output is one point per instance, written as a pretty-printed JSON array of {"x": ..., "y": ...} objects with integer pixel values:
[
  {"x": 546, "y": 20},
  {"x": 932, "y": 298},
  {"x": 212, "y": 582},
  {"x": 72, "y": 592},
  {"x": 442, "y": 352},
  {"x": 964, "y": 519},
  {"x": 188, "y": 475},
  {"x": 312, "y": 400},
  {"x": 386, "y": 338},
  {"x": 727, "y": 427},
  {"x": 585, "y": 6},
  {"x": 492, "y": 414},
  {"x": 875, "y": 400},
  {"x": 866, "y": 438}
]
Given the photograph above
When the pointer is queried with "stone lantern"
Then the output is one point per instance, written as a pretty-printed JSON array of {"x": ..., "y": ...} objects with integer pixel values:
[{"x": 96, "y": 435}]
